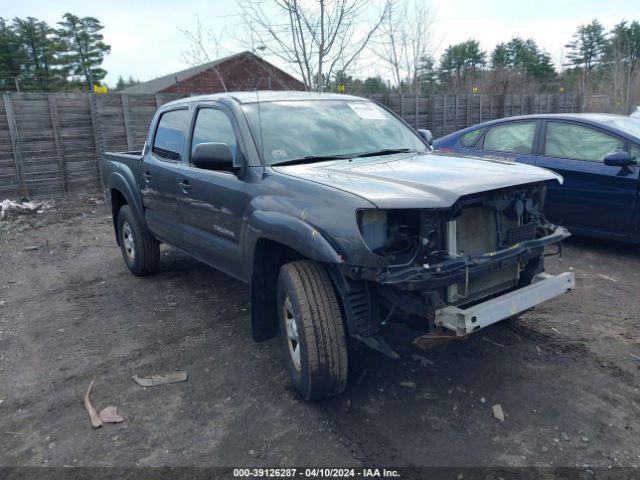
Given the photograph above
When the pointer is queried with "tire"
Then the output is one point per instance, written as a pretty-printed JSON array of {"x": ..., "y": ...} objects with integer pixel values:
[
  {"x": 311, "y": 320},
  {"x": 140, "y": 251}
]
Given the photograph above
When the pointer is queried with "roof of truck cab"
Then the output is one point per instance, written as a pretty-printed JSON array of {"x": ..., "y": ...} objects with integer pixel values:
[{"x": 267, "y": 96}]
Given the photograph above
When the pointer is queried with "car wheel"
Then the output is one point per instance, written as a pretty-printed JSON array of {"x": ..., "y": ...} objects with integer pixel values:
[
  {"x": 312, "y": 330},
  {"x": 140, "y": 251}
]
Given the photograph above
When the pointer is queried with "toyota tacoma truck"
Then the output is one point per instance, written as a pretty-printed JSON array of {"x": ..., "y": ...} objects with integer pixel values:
[{"x": 340, "y": 218}]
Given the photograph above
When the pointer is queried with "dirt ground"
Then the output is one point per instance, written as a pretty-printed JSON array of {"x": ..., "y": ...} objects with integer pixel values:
[{"x": 565, "y": 374}]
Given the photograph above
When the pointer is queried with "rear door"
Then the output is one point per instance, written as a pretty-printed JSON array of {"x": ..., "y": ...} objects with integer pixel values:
[
  {"x": 595, "y": 197},
  {"x": 159, "y": 175},
  {"x": 212, "y": 202}
]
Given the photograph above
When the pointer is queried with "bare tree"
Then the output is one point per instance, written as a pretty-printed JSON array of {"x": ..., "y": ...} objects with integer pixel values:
[
  {"x": 201, "y": 43},
  {"x": 406, "y": 41},
  {"x": 317, "y": 37},
  {"x": 622, "y": 56}
]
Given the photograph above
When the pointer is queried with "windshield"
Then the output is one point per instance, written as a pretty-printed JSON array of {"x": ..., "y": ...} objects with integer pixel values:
[
  {"x": 294, "y": 130},
  {"x": 629, "y": 125}
]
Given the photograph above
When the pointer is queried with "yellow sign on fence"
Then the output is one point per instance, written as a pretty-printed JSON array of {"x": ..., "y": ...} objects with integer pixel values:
[
  {"x": 340, "y": 88},
  {"x": 100, "y": 89}
]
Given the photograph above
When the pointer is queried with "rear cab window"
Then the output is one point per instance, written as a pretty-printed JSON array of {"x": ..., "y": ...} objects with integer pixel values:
[{"x": 170, "y": 135}]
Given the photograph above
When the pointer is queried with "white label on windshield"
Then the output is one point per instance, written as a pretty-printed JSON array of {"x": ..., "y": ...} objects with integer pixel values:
[
  {"x": 278, "y": 154},
  {"x": 367, "y": 111}
]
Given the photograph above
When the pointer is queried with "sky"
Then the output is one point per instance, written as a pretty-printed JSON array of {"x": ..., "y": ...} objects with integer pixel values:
[{"x": 146, "y": 41}]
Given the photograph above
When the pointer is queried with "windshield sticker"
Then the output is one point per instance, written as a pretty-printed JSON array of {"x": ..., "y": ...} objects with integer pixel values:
[
  {"x": 367, "y": 111},
  {"x": 278, "y": 154}
]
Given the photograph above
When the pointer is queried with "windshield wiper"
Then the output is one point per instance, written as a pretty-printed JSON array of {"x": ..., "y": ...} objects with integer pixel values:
[
  {"x": 386, "y": 151},
  {"x": 345, "y": 156},
  {"x": 311, "y": 159}
]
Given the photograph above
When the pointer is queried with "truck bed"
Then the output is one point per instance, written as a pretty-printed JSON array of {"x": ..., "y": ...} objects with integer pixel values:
[
  {"x": 118, "y": 161},
  {"x": 135, "y": 156}
]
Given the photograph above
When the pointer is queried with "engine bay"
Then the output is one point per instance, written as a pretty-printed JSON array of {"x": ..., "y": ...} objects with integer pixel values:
[{"x": 484, "y": 223}]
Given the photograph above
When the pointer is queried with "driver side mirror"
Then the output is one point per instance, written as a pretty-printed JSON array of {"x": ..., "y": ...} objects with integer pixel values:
[
  {"x": 427, "y": 136},
  {"x": 619, "y": 159},
  {"x": 212, "y": 156}
]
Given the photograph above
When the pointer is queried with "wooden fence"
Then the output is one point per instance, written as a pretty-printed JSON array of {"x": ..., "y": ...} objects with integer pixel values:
[
  {"x": 50, "y": 143},
  {"x": 444, "y": 114}
]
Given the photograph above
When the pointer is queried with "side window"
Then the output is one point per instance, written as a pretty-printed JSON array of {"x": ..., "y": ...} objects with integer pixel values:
[
  {"x": 568, "y": 140},
  {"x": 213, "y": 125},
  {"x": 511, "y": 137},
  {"x": 635, "y": 153},
  {"x": 469, "y": 138},
  {"x": 169, "y": 137}
]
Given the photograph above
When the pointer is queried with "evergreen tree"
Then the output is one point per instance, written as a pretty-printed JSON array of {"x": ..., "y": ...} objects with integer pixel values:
[
  {"x": 624, "y": 44},
  {"x": 84, "y": 48},
  {"x": 524, "y": 58},
  {"x": 587, "y": 46},
  {"x": 461, "y": 62},
  {"x": 500, "y": 57},
  {"x": 11, "y": 56},
  {"x": 41, "y": 70},
  {"x": 586, "y": 49},
  {"x": 121, "y": 84},
  {"x": 475, "y": 58},
  {"x": 427, "y": 74},
  {"x": 375, "y": 85},
  {"x": 542, "y": 68}
]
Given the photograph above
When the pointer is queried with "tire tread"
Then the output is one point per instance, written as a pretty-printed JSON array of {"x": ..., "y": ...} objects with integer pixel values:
[
  {"x": 147, "y": 247},
  {"x": 323, "y": 329}
]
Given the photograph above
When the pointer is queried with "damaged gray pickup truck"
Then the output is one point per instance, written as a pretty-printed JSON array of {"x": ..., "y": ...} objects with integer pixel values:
[{"x": 339, "y": 217}]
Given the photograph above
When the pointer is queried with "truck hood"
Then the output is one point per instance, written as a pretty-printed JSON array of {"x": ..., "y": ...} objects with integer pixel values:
[{"x": 428, "y": 180}]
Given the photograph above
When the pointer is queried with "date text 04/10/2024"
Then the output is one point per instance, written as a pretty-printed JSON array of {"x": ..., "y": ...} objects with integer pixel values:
[{"x": 315, "y": 473}]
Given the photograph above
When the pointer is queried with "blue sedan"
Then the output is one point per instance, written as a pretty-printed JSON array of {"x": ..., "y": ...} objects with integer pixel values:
[{"x": 597, "y": 154}]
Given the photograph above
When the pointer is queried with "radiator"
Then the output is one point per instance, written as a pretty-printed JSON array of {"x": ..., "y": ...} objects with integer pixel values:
[{"x": 475, "y": 232}]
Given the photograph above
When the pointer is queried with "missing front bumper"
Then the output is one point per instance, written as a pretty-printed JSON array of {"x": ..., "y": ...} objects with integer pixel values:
[{"x": 465, "y": 321}]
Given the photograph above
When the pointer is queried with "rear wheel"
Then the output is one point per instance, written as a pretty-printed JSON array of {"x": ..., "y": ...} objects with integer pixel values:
[
  {"x": 140, "y": 251},
  {"x": 312, "y": 330}
]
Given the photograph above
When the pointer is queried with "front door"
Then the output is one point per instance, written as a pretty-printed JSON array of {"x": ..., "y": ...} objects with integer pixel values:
[
  {"x": 510, "y": 141},
  {"x": 594, "y": 197},
  {"x": 212, "y": 203}
]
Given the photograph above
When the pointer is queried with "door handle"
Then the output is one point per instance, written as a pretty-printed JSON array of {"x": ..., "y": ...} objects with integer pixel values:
[
  {"x": 186, "y": 186},
  {"x": 147, "y": 176}
]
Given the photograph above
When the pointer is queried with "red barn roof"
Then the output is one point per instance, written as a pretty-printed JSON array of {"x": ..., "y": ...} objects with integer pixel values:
[{"x": 242, "y": 71}]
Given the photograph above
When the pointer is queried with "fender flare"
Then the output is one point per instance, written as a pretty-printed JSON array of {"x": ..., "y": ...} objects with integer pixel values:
[
  {"x": 290, "y": 231},
  {"x": 293, "y": 233},
  {"x": 117, "y": 181}
]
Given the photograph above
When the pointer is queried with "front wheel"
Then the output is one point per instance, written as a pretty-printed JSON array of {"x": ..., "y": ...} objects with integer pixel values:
[
  {"x": 312, "y": 330},
  {"x": 140, "y": 251}
]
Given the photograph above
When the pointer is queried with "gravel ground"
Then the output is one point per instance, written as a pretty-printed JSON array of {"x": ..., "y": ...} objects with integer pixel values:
[{"x": 565, "y": 374}]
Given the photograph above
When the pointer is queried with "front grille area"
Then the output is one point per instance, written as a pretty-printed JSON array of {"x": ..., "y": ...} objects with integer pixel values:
[{"x": 476, "y": 232}]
